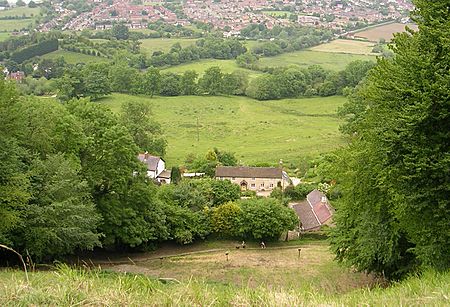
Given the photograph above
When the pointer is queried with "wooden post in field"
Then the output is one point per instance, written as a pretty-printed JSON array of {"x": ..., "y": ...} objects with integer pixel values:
[
  {"x": 299, "y": 250},
  {"x": 226, "y": 254}
]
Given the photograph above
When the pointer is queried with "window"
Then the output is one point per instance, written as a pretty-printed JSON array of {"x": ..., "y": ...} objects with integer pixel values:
[
  {"x": 253, "y": 185},
  {"x": 262, "y": 185},
  {"x": 271, "y": 185}
]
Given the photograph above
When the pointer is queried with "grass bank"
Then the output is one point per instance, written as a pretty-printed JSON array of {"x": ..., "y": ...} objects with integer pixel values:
[{"x": 70, "y": 287}]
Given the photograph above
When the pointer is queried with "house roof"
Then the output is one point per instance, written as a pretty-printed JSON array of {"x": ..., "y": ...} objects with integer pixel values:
[
  {"x": 314, "y": 211},
  {"x": 248, "y": 172},
  {"x": 150, "y": 161},
  {"x": 165, "y": 174}
]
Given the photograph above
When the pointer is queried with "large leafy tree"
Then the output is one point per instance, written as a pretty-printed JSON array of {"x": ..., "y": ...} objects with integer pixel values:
[
  {"x": 395, "y": 211},
  {"x": 61, "y": 216},
  {"x": 146, "y": 132}
]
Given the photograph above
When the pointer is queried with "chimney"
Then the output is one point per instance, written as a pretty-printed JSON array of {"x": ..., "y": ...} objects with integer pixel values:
[
  {"x": 146, "y": 156},
  {"x": 324, "y": 199}
]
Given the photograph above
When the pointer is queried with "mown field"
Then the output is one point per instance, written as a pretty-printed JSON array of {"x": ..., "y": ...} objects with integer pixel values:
[
  {"x": 4, "y": 36},
  {"x": 383, "y": 32},
  {"x": 346, "y": 46},
  {"x": 20, "y": 11},
  {"x": 251, "y": 277},
  {"x": 10, "y": 25},
  {"x": 151, "y": 45},
  {"x": 305, "y": 58},
  {"x": 256, "y": 131},
  {"x": 227, "y": 66},
  {"x": 74, "y": 57}
]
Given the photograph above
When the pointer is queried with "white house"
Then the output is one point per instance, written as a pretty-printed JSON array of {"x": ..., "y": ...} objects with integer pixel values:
[{"x": 155, "y": 167}]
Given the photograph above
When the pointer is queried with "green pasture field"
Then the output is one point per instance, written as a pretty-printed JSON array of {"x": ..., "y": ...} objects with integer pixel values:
[
  {"x": 151, "y": 45},
  {"x": 4, "y": 36},
  {"x": 74, "y": 57},
  {"x": 20, "y": 11},
  {"x": 277, "y": 13},
  {"x": 227, "y": 66},
  {"x": 304, "y": 58},
  {"x": 256, "y": 131},
  {"x": 346, "y": 46},
  {"x": 11, "y": 25},
  {"x": 383, "y": 32}
]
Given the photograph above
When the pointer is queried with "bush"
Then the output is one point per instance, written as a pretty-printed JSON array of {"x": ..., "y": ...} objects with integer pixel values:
[
  {"x": 264, "y": 219},
  {"x": 299, "y": 192}
]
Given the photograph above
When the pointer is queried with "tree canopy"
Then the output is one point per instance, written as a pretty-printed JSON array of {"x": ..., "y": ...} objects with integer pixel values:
[{"x": 394, "y": 214}]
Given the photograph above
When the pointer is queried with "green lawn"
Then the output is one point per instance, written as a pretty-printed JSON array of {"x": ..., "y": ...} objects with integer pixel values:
[
  {"x": 227, "y": 66},
  {"x": 277, "y": 13},
  {"x": 20, "y": 11},
  {"x": 14, "y": 25},
  {"x": 151, "y": 45},
  {"x": 4, "y": 36},
  {"x": 328, "y": 60},
  {"x": 255, "y": 131},
  {"x": 74, "y": 57},
  {"x": 346, "y": 46}
]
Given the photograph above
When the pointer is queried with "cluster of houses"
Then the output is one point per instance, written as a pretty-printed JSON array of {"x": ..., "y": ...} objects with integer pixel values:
[{"x": 314, "y": 212}]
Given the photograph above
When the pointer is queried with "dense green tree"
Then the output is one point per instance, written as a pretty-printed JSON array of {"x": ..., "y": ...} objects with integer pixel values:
[
  {"x": 265, "y": 219},
  {"x": 170, "y": 84},
  {"x": 96, "y": 81},
  {"x": 211, "y": 82},
  {"x": 120, "y": 31},
  {"x": 151, "y": 82},
  {"x": 136, "y": 116},
  {"x": 175, "y": 175},
  {"x": 61, "y": 216},
  {"x": 394, "y": 213},
  {"x": 122, "y": 78},
  {"x": 188, "y": 82},
  {"x": 225, "y": 219}
]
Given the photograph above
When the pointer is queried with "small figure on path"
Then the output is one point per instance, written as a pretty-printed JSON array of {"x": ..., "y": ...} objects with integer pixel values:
[
  {"x": 243, "y": 244},
  {"x": 263, "y": 245}
]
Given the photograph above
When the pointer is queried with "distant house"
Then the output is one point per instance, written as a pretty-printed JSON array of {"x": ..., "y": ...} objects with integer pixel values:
[
  {"x": 16, "y": 76},
  {"x": 254, "y": 178},
  {"x": 156, "y": 167},
  {"x": 314, "y": 212}
]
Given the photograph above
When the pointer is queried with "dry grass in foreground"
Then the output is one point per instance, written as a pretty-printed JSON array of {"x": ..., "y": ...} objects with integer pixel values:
[{"x": 70, "y": 287}]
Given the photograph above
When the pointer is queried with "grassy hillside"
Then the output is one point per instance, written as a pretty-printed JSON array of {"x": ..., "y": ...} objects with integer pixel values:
[
  {"x": 328, "y": 60},
  {"x": 346, "y": 46},
  {"x": 227, "y": 66},
  {"x": 74, "y": 57},
  {"x": 10, "y": 25},
  {"x": 255, "y": 131},
  {"x": 20, "y": 11},
  {"x": 251, "y": 277},
  {"x": 4, "y": 36},
  {"x": 151, "y": 45}
]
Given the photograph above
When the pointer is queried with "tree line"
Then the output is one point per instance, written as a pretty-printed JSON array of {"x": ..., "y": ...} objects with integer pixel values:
[
  {"x": 100, "y": 79},
  {"x": 394, "y": 214}
]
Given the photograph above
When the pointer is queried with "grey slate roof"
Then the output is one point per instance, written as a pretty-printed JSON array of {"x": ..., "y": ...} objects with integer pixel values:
[
  {"x": 248, "y": 172},
  {"x": 150, "y": 161}
]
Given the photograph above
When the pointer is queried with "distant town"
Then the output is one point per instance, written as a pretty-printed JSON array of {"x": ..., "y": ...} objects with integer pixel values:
[{"x": 230, "y": 16}]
